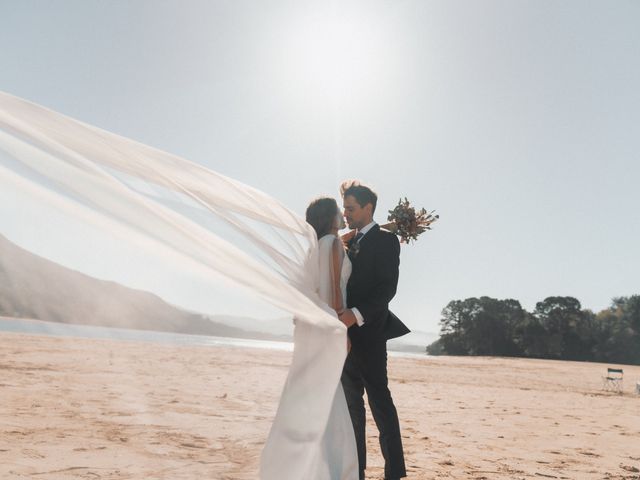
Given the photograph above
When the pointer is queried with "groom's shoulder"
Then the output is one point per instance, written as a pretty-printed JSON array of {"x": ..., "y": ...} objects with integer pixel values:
[
  {"x": 387, "y": 236},
  {"x": 384, "y": 231}
]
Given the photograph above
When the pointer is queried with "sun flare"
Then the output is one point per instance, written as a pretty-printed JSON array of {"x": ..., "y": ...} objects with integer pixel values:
[{"x": 337, "y": 56}]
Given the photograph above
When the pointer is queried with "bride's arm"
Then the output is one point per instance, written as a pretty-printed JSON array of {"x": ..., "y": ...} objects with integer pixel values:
[{"x": 337, "y": 256}]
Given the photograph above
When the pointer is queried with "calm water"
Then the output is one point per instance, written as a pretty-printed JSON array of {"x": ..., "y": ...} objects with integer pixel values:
[{"x": 37, "y": 327}]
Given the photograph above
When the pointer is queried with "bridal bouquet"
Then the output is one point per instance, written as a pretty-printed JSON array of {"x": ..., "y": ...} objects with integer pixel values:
[{"x": 408, "y": 223}]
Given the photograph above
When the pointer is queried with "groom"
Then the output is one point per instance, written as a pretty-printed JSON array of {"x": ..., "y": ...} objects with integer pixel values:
[{"x": 375, "y": 254}]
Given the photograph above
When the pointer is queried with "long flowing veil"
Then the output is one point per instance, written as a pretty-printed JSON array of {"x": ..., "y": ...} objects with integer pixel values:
[{"x": 94, "y": 176}]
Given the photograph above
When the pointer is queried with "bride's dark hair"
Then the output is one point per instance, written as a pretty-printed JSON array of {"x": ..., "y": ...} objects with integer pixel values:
[{"x": 321, "y": 213}]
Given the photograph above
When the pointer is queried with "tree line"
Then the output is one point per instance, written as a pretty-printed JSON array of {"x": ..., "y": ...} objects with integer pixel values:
[{"x": 558, "y": 328}]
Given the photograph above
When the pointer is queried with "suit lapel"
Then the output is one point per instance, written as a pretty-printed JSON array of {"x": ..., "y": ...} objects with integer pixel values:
[
  {"x": 369, "y": 235},
  {"x": 364, "y": 243}
]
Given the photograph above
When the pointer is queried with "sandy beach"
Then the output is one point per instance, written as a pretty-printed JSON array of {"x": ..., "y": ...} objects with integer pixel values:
[{"x": 105, "y": 409}]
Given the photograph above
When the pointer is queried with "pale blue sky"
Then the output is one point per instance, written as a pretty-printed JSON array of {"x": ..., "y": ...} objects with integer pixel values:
[{"x": 519, "y": 121}]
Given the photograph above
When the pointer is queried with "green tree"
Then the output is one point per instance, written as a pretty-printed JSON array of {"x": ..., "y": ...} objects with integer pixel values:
[
  {"x": 533, "y": 338},
  {"x": 558, "y": 328},
  {"x": 481, "y": 326},
  {"x": 570, "y": 332},
  {"x": 618, "y": 337}
]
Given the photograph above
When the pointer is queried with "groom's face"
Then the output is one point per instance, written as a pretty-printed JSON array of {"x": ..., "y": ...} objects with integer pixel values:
[{"x": 355, "y": 215}]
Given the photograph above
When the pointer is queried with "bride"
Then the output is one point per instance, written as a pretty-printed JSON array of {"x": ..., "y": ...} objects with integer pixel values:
[{"x": 333, "y": 455}]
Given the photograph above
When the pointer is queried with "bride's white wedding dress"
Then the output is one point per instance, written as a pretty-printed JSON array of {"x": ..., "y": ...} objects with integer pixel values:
[
  {"x": 338, "y": 446},
  {"x": 332, "y": 454}
]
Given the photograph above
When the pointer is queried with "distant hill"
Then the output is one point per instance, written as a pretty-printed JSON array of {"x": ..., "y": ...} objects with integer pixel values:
[
  {"x": 33, "y": 287},
  {"x": 37, "y": 288}
]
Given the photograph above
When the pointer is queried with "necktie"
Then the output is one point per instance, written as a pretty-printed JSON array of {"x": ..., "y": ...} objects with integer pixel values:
[{"x": 354, "y": 246}]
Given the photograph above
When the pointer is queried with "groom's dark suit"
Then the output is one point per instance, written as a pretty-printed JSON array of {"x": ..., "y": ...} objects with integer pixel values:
[{"x": 372, "y": 285}]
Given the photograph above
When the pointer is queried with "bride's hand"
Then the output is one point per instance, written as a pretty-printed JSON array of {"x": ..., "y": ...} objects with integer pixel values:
[
  {"x": 346, "y": 238},
  {"x": 348, "y": 318}
]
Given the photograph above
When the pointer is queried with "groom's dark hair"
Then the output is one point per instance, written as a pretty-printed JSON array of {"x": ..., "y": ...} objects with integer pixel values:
[
  {"x": 360, "y": 192},
  {"x": 321, "y": 213}
]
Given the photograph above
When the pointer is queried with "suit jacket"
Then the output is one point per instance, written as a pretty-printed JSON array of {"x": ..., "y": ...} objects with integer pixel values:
[{"x": 372, "y": 285}]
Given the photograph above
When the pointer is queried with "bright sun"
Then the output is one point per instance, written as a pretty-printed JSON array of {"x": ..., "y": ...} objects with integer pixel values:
[{"x": 337, "y": 55}]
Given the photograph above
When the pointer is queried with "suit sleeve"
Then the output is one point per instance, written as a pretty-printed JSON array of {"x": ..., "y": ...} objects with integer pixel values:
[{"x": 375, "y": 307}]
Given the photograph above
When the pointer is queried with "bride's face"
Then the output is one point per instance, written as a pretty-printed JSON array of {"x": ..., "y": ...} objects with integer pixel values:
[{"x": 338, "y": 223}]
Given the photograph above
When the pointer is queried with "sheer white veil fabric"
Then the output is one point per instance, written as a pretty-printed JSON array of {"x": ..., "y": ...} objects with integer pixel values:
[{"x": 117, "y": 183}]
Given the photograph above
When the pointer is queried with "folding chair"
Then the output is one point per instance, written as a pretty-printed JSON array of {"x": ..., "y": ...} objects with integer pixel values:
[{"x": 613, "y": 380}]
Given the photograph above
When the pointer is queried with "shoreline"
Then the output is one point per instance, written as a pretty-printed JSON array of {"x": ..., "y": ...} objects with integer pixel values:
[{"x": 57, "y": 329}]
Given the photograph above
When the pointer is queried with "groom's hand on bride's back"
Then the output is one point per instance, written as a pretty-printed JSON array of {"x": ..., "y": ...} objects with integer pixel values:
[{"x": 347, "y": 317}]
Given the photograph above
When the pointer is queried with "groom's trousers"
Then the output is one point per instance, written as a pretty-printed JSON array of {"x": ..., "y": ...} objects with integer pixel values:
[{"x": 366, "y": 369}]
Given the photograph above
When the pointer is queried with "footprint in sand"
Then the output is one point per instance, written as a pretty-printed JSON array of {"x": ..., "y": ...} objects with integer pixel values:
[
  {"x": 630, "y": 468},
  {"x": 28, "y": 452},
  {"x": 588, "y": 453},
  {"x": 191, "y": 445}
]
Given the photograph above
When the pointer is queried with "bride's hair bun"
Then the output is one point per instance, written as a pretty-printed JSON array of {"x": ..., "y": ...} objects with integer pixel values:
[{"x": 321, "y": 215}]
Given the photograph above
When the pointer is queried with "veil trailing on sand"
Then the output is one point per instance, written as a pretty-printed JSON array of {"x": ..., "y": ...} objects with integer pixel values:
[{"x": 118, "y": 184}]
